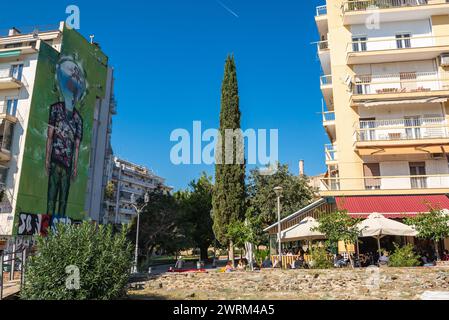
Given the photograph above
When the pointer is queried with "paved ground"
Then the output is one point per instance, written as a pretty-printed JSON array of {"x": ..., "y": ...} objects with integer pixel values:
[
  {"x": 10, "y": 289},
  {"x": 333, "y": 284}
]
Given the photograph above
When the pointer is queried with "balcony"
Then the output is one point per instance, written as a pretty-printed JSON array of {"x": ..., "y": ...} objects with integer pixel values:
[
  {"x": 324, "y": 55},
  {"x": 329, "y": 124},
  {"x": 371, "y": 90},
  {"x": 394, "y": 49},
  {"x": 321, "y": 19},
  {"x": 402, "y": 132},
  {"x": 359, "y": 11},
  {"x": 7, "y": 81},
  {"x": 331, "y": 154},
  {"x": 406, "y": 184}
]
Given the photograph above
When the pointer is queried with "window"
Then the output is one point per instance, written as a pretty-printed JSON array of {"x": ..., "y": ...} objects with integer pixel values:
[
  {"x": 412, "y": 127},
  {"x": 359, "y": 43},
  {"x": 403, "y": 40},
  {"x": 418, "y": 169},
  {"x": 11, "y": 106},
  {"x": 16, "y": 71},
  {"x": 366, "y": 124},
  {"x": 371, "y": 172}
]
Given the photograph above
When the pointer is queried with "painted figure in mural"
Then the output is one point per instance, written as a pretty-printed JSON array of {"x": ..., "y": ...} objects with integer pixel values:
[{"x": 65, "y": 132}]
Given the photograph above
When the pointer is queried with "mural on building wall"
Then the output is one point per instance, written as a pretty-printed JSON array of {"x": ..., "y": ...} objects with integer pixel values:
[{"x": 55, "y": 167}]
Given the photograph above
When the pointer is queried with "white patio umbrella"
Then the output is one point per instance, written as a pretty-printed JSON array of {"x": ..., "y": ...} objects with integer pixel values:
[
  {"x": 377, "y": 226},
  {"x": 303, "y": 230}
]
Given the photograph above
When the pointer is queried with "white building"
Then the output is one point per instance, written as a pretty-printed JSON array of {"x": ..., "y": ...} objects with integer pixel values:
[
  {"x": 28, "y": 60},
  {"x": 129, "y": 178}
]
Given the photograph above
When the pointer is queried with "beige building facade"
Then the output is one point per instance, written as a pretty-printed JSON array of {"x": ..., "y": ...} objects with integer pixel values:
[{"x": 385, "y": 88}]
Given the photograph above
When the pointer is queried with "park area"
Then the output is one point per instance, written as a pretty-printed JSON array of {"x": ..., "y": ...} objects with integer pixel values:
[{"x": 313, "y": 284}]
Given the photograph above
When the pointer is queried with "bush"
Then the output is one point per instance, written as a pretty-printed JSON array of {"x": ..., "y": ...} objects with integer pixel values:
[
  {"x": 104, "y": 261},
  {"x": 321, "y": 259},
  {"x": 260, "y": 255},
  {"x": 404, "y": 257}
]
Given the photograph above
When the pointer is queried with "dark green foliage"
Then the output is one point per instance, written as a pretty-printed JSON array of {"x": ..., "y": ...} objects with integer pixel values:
[
  {"x": 404, "y": 257},
  {"x": 196, "y": 203},
  {"x": 229, "y": 191},
  {"x": 104, "y": 260},
  {"x": 161, "y": 225},
  {"x": 433, "y": 226},
  {"x": 262, "y": 199}
]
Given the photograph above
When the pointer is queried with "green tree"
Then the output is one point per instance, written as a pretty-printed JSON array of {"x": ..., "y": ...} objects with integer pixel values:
[
  {"x": 339, "y": 226},
  {"x": 432, "y": 226},
  {"x": 197, "y": 206},
  {"x": 229, "y": 192},
  {"x": 103, "y": 259},
  {"x": 262, "y": 199},
  {"x": 161, "y": 225}
]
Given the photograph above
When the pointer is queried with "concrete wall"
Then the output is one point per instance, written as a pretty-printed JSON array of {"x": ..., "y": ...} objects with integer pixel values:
[{"x": 100, "y": 144}]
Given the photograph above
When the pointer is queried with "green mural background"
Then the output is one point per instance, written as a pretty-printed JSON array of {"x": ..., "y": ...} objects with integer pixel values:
[{"x": 32, "y": 193}]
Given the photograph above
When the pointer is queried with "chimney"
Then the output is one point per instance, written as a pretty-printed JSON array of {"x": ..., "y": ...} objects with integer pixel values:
[
  {"x": 301, "y": 167},
  {"x": 13, "y": 31}
]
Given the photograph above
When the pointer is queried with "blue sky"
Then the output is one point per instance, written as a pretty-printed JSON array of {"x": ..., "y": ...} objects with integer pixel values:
[{"x": 169, "y": 55}]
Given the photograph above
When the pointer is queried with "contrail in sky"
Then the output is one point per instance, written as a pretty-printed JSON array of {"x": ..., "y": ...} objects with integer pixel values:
[{"x": 227, "y": 9}]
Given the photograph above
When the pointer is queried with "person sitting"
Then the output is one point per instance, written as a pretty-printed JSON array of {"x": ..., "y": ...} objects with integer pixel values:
[
  {"x": 179, "y": 263},
  {"x": 299, "y": 263},
  {"x": 445, "y": 255},
  {"x": 427, "y": 260},
  {"x": 267, "y": 263},
  {"x": 241, "y": 266},
  {"x": 384, "y": 259},
  {"x": 229, "y": 267},
  {"x": 339, "y": 261},
  {"x": 277, "y": 263}
]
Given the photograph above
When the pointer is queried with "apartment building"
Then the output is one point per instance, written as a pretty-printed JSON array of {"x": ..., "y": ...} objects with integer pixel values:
[
  {"x": 385, "y": 87},
  {"x": 56, "y": 107},
  {"x": 129, "y": 179}
]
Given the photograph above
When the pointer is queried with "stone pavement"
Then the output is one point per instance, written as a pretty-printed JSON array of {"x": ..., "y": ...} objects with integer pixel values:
[{"x": 370, "y": 283}]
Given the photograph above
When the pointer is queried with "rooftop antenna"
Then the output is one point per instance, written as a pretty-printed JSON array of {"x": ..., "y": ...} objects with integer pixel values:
[
  {"x": 35, "y": 33},
  {"x": 92, "y": 36}
]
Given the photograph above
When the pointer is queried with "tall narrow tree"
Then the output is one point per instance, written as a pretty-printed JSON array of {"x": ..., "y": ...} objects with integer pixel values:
[{"x": 229, "y": 191}]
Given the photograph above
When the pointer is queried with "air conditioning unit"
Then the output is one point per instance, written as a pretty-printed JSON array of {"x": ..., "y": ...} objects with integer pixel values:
[
  {"x": 444, "y": 59},
  {"x": 437, "y": 156}
]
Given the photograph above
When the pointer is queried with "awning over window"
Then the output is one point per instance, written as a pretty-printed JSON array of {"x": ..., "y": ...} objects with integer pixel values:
[
  {"x": 391, "y": 206},
  {"x": 402, "y": 101}
]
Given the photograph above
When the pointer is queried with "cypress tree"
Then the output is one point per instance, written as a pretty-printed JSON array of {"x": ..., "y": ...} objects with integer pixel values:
[{"x": 229, "y": 190}]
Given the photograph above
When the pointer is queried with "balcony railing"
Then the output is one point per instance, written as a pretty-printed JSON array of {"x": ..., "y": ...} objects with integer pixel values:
[
  {"x": 321, "y": 11},
  {"x": 326, "y": 80},
  {"x": 404, "y": 82},
  {"x": 363, "y": 5},
  {"x": 328, "y": 116},
  {"x": 396, "y": 43},
  {"x": 402, "y": 129},
  {"x": 323, "y": 45},
  {"x": 331, "y": 152},
  {"x": 406, "y": 182}
]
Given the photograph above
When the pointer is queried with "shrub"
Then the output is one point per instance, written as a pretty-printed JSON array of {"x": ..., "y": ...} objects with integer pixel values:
[
  {"x": 321, "y": 259},
  {"x": 404, "y": 257},
  {"x": 104, "y": 260},
  {"x": 260, "y": 255}
]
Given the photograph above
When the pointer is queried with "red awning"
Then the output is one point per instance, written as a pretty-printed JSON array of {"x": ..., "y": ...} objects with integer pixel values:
[{"x": 391, "y": 206}]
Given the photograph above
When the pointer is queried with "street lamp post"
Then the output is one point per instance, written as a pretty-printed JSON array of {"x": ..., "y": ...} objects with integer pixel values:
[
  {"x": 138, "y": 210},
  {"x": 278, "y": 191}
]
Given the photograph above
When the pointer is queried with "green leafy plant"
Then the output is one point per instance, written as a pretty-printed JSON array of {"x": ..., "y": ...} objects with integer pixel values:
[
  {"x": 339, "y": 226},
  {"x": 403, "y": 257},
  {"x": 320, "y": 258},
  {"x": 103, "y": 259},
  {"x": 261, "y": 254},
  {"x": 432, "y": 226}
]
